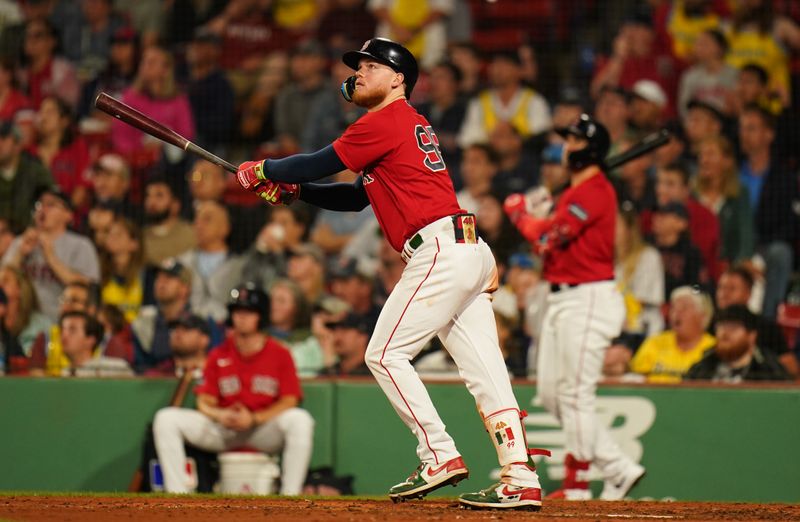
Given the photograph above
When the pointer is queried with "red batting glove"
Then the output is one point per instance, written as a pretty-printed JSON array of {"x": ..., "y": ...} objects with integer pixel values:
[
  {"x": 515, "y": 207},
  {"x": 251, "y": 174}
]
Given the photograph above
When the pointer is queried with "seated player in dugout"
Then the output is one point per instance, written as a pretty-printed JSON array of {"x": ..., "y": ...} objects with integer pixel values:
[{"x": 445, "y": 288}]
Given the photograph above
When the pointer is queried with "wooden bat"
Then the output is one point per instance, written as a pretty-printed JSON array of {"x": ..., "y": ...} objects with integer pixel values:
[
  {"x": 648, "y": 144},
  {"x": 148, "y": 125}
]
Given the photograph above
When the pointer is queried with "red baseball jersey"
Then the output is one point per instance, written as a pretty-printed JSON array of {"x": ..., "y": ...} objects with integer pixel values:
[
  {"x": 255, "y": 381},
  {"x": 579, "y": 240},
  {"x": 407, "y": 183}
]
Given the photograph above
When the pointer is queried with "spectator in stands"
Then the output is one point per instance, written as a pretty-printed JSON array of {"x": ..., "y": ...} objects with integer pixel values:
[
  {"x": 346, "y": 23},
  {"x": 633, "y": 57},
  {"x": 89, "y": 43},
  {"x": 80, "y": 335},
  {"x": 154, "y": 91},
  {"x": 332, "y": 231},
  {"x": 672, "y": 185},
  {"x": 466, "y": 57},
  {"x": 675, "y": 148},
  {"x": 737, "y": 356},
  {"x": 422, "y": 30},
  {"x": 329, "y": 113},
  {"x": 680, "y": 24},
  {"x": 752, "y": 87},
  {"x": 773, "y": 193},
  {"x": 119, "y": 72},
  {"x": 47, "y": 355},
  {"x": 570, "y": 105},
  {"x": 23, "y": 178},
  {"x": 146, "y": 17},
  {"x": 306, "y": 267},
  {"x": 757, "y": 35},
  {"x": 710, "y": 79},
  {"x": 290, "y": 323},
  {"x": 189, "y": 342},
  {"x": 350, "y": 338},
  {"x": 23, "y": 318},
  {"x": 635, "y": 184},
  {"x": 111, "y": 180},
  {"x": 11, "y": 98},
  {"x": 639, "y": 273},
  {"x": 61, "y": 148},
  {"x": 612, "y": 110},
  {"x": 54, "y": 255},
  {"x": 648, "y": 106},
  {"x": 495, "y": 228},
  {"x": 518, "y": 170},
  {"x": 719, "y": 189},
  {"x": 307, "y": 67},
  {"x": 735, "y": 287},
  {"x": 353, "y": 281},
  {"x": 117, "y": 337},
  {"x": 172, "y": 288},
  {"x": 445, "y": 110},
  {"x": 682, "y": 261},
  {"x": 390, "y": 268},
  {"x": 507, "y": 100},
  {"x": 11, "y": 354},
  {"x": 267, "y": 259},
  {"x": 216, "y": 270},
  {"x": 702, "y": 121},
  {"x": 183, "y": 18},
  {"x": 166, "y": 235},
  {"x": 257, "y": 114},
  {"x": 6, "y": 236},
  {"x": 122, "y": 264},
  {"x": 479, "y": 164},
  {"x": 210, "y": 93},
  {"x": 667, "y": 357},
  {"x": 249, "y": 396},
  {"x": 46, "y": 74}
]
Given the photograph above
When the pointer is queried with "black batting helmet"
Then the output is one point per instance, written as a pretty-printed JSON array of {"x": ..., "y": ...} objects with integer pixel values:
[
  {"x": 388, "y": 53},
  {"x": 598, "y": 142},
  {"x": 249, "y": 297}
]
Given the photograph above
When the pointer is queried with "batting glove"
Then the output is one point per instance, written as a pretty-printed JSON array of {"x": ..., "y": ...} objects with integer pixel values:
[
  {"x": 251, "y": 174},
  {"x": 515, "y": 207}
]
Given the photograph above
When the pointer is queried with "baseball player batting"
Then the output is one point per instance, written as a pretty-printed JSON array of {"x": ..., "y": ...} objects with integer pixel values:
[
  {"x": 446, "y": 285},
  {"x": 585, "y": 310}
]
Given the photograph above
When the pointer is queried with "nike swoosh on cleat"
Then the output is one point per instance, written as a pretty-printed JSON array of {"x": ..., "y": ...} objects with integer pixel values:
[
  {"x": 505, "y": 491},
  {"x": 432, "y": 472}
]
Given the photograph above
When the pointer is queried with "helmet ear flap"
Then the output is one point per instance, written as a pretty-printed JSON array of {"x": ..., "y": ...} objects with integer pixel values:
[{"x": 348, "y": 88}]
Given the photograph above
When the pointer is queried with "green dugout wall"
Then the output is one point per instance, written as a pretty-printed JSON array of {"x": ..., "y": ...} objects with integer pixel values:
[{"x": 698, "y": 443}]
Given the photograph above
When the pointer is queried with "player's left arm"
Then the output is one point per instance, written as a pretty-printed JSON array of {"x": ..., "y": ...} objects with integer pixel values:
[{"x": 568, "y": 222}]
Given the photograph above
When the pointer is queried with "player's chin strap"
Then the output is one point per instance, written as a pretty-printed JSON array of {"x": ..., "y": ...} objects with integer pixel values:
[
  {"x": 508, "y": 434},
  {"x": 348, "y": 88}
]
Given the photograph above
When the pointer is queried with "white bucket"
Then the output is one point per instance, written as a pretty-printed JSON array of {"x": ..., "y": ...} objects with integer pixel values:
[{"x": 247, "y": 473}]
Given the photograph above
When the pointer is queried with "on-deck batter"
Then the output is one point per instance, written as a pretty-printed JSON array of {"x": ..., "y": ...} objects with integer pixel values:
[
  {"x": 446, "y": 286},
  {"x": 585, "y": 309}
]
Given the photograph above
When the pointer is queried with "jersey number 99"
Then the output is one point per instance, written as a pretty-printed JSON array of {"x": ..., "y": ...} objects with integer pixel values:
[{"x": 429, "y": 144}]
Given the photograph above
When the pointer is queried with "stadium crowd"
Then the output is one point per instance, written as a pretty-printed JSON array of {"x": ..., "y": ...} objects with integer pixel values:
[{"x": 119, "y": 253}]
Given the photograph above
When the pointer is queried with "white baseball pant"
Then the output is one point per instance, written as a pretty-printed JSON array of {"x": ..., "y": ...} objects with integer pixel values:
[
  {"x": 444, "y": 291},
  {"x": 290, "y": 433},
  {"x": 578, "y": 327}
]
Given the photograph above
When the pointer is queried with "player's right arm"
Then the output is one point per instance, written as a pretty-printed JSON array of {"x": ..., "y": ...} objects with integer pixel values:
[{"x": 208, "y": 405}]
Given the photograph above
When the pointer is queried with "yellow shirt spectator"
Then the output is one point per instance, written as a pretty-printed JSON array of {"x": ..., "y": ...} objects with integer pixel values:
[{"x": 661, "y": 360}]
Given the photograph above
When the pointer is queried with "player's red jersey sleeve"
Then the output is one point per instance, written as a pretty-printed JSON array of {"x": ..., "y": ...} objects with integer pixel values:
[
  {"x": 364, "y": 143},
  {"x": 210, "y": 376},
  {"x": 288, "y": 382}
]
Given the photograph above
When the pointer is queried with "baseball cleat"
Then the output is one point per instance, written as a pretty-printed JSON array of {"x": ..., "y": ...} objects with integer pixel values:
[
  {"x": 618, "y": 487},
  {"x": 503, "y": 496},
  {"x": 427, "y": 478}
]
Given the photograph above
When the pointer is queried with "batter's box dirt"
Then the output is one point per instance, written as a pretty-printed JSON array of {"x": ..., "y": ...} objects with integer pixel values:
[{"x": 215, "y": 508}]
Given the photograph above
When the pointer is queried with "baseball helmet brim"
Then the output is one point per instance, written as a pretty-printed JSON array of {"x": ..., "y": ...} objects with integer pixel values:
[{"x": 352, "y": 58}]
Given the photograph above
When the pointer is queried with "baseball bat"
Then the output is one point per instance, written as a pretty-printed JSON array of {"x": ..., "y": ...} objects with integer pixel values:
[
  {"x": 648, "y": 144},
  {"x": 148, "y": 125}
]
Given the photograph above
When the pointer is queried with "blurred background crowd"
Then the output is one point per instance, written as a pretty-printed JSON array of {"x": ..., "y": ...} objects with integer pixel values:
[{"x": 119, "y": 252}]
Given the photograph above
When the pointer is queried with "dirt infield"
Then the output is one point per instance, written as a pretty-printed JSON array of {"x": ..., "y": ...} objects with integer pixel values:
[{"x": 200, "y": 509}]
